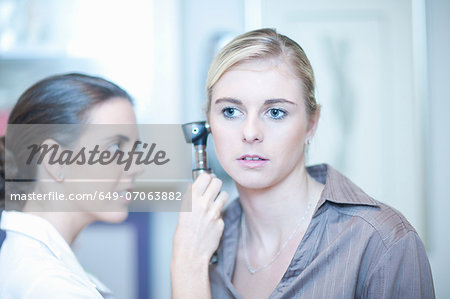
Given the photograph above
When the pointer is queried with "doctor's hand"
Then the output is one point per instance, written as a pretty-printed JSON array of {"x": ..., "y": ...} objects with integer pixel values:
[{"x": 197, "y": 237}]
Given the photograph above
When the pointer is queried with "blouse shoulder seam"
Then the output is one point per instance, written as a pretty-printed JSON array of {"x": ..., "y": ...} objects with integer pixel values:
[{"x": 405, "y": 229}]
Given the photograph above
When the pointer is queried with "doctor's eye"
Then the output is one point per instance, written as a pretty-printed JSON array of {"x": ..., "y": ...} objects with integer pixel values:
[
  {"x": 117, "y": 146},
  {"x": 277, "y": 113},
  {"x": 231, "y": 112},
  {"x": 139, "y": 145}
]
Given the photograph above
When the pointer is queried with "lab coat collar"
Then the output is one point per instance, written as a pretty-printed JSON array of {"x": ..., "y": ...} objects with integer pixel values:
[{"x": 43, "y": 231}]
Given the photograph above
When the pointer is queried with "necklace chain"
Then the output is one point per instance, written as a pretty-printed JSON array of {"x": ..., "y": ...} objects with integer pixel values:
[{"x": 244, "y": 240}]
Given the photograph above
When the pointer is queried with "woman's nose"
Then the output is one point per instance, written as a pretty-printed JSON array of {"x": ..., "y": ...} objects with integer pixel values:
[
  {"x": 252, "y": 130},
  {"x": 135, "y": 169}
]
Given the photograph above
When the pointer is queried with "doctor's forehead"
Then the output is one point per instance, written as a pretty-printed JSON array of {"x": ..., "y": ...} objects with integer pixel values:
[{"x": 114, "y": 111}]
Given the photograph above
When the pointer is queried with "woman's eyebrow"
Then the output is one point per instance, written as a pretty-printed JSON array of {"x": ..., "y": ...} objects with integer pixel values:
[
  {"x": 228, "y": 100},
  {"x": 266, "y": 102},
  {"x": 278, "y": 101}
]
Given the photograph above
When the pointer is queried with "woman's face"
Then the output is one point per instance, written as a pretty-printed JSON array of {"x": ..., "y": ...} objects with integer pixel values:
[
  {"x": 112, "y": 127},
  {"x": 259, "y": 123}
]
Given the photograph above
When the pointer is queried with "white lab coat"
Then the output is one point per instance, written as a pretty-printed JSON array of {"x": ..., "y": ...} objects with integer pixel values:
[{"x": 36, "y": 262}]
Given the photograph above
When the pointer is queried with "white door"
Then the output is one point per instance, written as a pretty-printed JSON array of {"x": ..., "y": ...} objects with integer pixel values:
[{"x": 366, "y": 66}]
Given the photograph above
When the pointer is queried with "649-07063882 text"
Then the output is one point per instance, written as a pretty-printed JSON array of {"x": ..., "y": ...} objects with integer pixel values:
[{"x": 99, "y": 195}]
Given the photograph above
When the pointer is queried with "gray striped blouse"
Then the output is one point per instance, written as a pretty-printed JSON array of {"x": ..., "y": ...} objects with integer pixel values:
[{"x": 354, "y": 247}]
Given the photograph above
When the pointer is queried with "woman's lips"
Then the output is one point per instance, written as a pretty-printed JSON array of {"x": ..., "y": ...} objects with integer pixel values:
[{"x": 252, "y": 161}]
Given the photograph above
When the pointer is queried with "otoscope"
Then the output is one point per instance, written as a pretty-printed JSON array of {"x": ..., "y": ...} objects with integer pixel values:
[{"x": 197, "y": 134}]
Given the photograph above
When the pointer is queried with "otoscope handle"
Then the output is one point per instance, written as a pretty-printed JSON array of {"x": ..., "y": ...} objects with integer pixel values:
[{"x": 197, "y": 172}]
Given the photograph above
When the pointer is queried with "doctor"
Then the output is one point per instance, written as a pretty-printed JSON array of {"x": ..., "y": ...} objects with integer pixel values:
[{"x": 36, "y": 260}]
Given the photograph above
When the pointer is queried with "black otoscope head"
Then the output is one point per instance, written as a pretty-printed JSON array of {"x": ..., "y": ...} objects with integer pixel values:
[{"x": 196, "y": 132}]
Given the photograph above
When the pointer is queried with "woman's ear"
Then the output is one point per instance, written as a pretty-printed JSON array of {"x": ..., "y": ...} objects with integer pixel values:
[
  {"x": 51, "y": 151},
  {"x": 312, "y": 124}
]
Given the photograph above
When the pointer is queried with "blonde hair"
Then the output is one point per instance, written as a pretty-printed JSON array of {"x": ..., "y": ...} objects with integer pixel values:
[{"x": 263, "y": 44}]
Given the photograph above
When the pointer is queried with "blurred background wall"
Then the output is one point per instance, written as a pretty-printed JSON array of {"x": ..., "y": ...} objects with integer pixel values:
[{"x": 382, "y": 72}]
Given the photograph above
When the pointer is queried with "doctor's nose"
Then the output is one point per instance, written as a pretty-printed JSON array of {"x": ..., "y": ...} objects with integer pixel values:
[
  {"x": 135, "y": 170},
  {"x": 252, "y": 130}
]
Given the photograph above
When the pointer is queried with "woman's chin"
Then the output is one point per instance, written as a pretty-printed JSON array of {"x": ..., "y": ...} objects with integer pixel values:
[
  {"x": 252, "y": 181},
  {"x": 112, "y": 217}
]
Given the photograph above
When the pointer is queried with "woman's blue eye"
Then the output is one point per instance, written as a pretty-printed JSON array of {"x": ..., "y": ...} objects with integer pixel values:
[
  {"x": 277, "y": 113},
  {"x": 230, "y": 112}
]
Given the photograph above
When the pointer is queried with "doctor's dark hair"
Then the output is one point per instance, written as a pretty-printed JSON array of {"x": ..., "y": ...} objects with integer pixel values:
[
  {"x": 264, "y": 44},
  {"x": 59, "y": 99}
]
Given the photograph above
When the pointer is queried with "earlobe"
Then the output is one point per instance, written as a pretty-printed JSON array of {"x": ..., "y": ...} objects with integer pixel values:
[
  {"x": 60, "y": 178},
  {"x": 313, "y": 122}
]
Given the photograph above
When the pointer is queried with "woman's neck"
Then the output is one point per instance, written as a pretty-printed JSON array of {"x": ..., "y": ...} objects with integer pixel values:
[
  {"x": 68, "y": 224},
  {"x": 273, "y": 212}
]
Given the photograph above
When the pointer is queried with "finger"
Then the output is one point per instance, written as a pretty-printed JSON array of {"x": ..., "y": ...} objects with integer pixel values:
[
  {"x": 220, "y": 202},
  {"x": 186, "y": 200},
  {"x": 213, "y": 190},
  {"x": 200, "y": 184}
]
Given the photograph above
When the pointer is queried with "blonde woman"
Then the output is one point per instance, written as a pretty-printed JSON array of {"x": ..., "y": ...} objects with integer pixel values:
[{"x": 294, "y": 231}]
